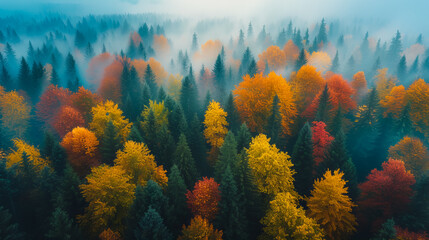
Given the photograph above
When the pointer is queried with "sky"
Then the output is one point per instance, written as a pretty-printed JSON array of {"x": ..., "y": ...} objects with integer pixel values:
[{"x": 399, "y": 13}]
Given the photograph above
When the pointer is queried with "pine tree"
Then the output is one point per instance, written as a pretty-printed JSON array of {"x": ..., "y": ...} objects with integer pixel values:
[
  {"x": 387, "y": 231},
  {"x": 55, "y": 79},
  {"x": 8, "y": 229},
  {"x": 60, "y": 226},
  {"x": 335, "y": 63},
  {"x": 245, "y": 62},
  {"x": 151, "y": 227},
  {"x": 231, "y": 217},
  {"x": 89, "y": 51},
  {"x": 185, "y": 162},
  {"x": 175, "y": 192},
  {"x": 110, "y": 143},
  {"x": 253, "y": 68},
  {"x": 250, "y": 31},
  {"x": 161, "y": 94},
  {"x": 24, "y": 76},
  {"x": 404, "y": 125},
  {"x": 301, "y": 61},
  {"x": 227, "y": 156},
  {"x": 177, "y": 122},
  {"x": 5, "y": 79},
  {"x": 219, "y": 76},
  {"x": 401, "y": 71},
  {"x": 150, "y": 80},
  {"x": 324, "y": 107},
  {"x": 135, "y": 135},
  {"x": 302, "y": 159},
  {"x": 11, "y": 59},
  {"x": 197, "y": 144},
  {"x": 395, "y": 48},
  {"x": 146, "y": 96},
  {"x": 189, "y": 98},
  {"x": 243, "y": 137},
  {"x": 322, "y": 37},
  {"x": 273, "y": 127},
  {"x": 232, "y": 117},
  {"x": 194, "y": 42},
  {"x": 71, "y": 75}
]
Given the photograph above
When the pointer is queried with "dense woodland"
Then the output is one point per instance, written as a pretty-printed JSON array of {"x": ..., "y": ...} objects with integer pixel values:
[{"x": 150, "y": 127}]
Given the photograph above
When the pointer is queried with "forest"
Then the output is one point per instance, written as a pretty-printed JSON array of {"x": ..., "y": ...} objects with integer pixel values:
[{"x": 147, "y": 126}]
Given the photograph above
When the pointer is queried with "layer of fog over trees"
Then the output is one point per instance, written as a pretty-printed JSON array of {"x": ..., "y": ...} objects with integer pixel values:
[{"x": 355, "y": 83}]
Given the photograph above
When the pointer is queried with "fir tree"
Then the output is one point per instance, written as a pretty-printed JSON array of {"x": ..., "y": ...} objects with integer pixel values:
[
  {"x": 60, "y": 226},
  {"x": 335, "y": 63},
  {"x": 322, "y": 37},
  {"x": 24, "y": 76},
  {"x": 273, "y": 127},
  {"x": 189, "y": 98},
  {"x": 8, "y": 229},
  {"x": 151, "y": 227},
  {"x": 110, "y": 143},
  {"x": 232, "y": 116},
  {"x": 227, "y": 156},
  {"x": 219, "y": 76},
  {"x": 324, "y": 107},
  {"x": 185, "y": 162},
  {"x": 253, "y": 68},
  {"x": 302, "y": 158},
  {"x": 194, "y": 43},
  {"x": 150, "y": 80},
  {"x": 387, "y": 231},
  {"x": 134, "y": 135},
  {"x": 301, "y": 61},
  {"x": 176, "y": 190},
  {"x": 401, "y": 71},
  {"x": 197, "y": 145},
  {"x": 243, "y": 137}
]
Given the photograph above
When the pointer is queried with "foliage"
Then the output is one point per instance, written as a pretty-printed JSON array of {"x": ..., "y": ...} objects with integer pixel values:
[
  {"x": 200, "y": 229},
  {"x": 204, "y": 199}
]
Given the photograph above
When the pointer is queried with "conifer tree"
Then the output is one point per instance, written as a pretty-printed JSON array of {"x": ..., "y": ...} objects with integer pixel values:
[
  {"x": 302, "y": 159},
  {"x": 185, "y": 162},
  {"x": 301, "y": 61},
  {"x": 227, "y": 156},
  {"x": 324, "y": 107},
  {"x": 150, "y": 80},
  {"x": 151, "y": 227},
  {"x": 110, "y": 143},
  {"x": 273, "y": 127},
  {"x": 177, "y": 208},
  {"x": 233, "y": 117}
]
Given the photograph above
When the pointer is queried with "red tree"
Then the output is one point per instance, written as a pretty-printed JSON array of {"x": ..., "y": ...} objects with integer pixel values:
[
  {"x": 321, "y": 141},
  {"x": 204, "y": 199},
  {"x": 66, "y": 119},
  {"x": 386, "y": 192},
  {"x": 50, "y": 102},
  {"x": 83, "y": 101}
]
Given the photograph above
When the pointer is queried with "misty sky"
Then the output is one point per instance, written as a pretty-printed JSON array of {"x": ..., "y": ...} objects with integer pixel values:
[{"x": 400, "y": 14}]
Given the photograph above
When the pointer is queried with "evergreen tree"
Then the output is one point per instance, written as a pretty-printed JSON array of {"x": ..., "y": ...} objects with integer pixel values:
[
  {"x": 395, "y": 48},
  {"x": 185, "y": 162},
  {"x": 253, "y": 68},
  {"x": 197, "y": 144},
  {"x": 301, "y": 61},
  {"x": 60, "y": 226},
  {"x": 10, "y": 59},
  {"x": 134, "y": 135},
  {"x": 194, "y": 43},
  {"x": 324, "y": 107},
  {"x": 243, "y": 137},
  {"x": 322, "y": 37},
  {"x": 5, "y": 79},
  {"x": 71, "y": 75},
  {"x": 8, "y": 229},
  {"x": 24, "y": 76},
  {"x": 176, "y": 190},
  {"x": 404, "y": 125},
  {"x": 249, "y": 30},
  {"x": 302, "y": 159},
  {"x": 110, "y": 143},
  {"x": 31, "y": 54},
  {"x": 150, "y": 80},
  {"x": 219, "y": 76},
  {"x": 89, "y": 51},
  {"x": 335, "y": 63},
  {"x": 189, "y": 98},
  {"x": 55, "y": 79},
  {"x": 146, "y": 96},
  {"x": 177, "y": 122},
  {"x": 232, "y": 116},
  {"x": 245, "y": 62},
  {"x": 151, "y": 227},
  {"x": 227, "y": 156},
  {"x": 401, "y": 71},
  {"x": 231, "y": 217},
  {"x": 387, "y": 231},
  {"x": 161, "y": 94},
  {"x": 273, "y": 127}
]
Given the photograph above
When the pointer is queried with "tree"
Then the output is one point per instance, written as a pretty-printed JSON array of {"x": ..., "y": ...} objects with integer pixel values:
[
  {"x": 335, "y": 63},
  {"x": 395, "y": 48},
  {"x": 413, "y": 153},
  {"x": 418, "y": 95},
  {"x": 359, "y": 85},
  {"x": 105, "y": 112},
  {"x": 219, "y": 76},
  {"x": 401, "y": 70},
  {"x": 231, "y": 216},
  {"x": 8, "y": 229},
  {"x": 61, "y": 226},
  {"x": 185, "y": 162},
  {"x": 108, "y": 234},
  {"x": 24, "y": 79},
  {"x": 150, "y": 80},
  {"x": 232, "y": 117},
  {"x": 322, "y": 37},
  {"x": 243, "y": 137},
  {"x": 84, "y": 100},
  {"x": 109, "y": 194},
  {"x": 394, "y": 102},
  {"x": 151, "y": 227},
  {"x": 254, "y": 97},
  {"x": 286, "y": 220},
  {"x": 227, "y": 156},
  {"x": 321, "y": 141},
  {"x": 200, "y": 229},
  {"x": 215, "y": 127},
  {"x": 71, "y": 75},
  {"x": 387, "y": 231},
  {"x": 324, "y": 106},
  {"x": 330, "y": 206},
  {"x": 204, "y": 199},
  {"x": 189, "y": 98},
  {"x": 301, "y": 60},
  {"x": 110, "y": 143},
  {"x": 66, "y": 120},
  {"x": 176, "y": 194},
  {"x": 273, "y": 57},
  {"x": 135, "y": 159},
  {"x": 274, "y": 122},
  {"x": 81, "y": 146},
  {"x": 15, "y": 157},
  {"x": 15, "y": 114},
  {"x": 51, "y": 102},
  {"x": 386, "y": 192},
  {"x": 306, "y": 85},
  {"x": 303, "y": 161},
  {"x": 271, "y": 169}
]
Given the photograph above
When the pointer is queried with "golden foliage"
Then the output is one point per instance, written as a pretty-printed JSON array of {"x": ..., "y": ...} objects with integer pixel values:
[
  {"x": 291, "y": 52},
  {"x": 320, "y": 60},
  {"x": 174, "y": 85},
  {"x": 418, "y": 97},
  {"x": 274, "y": 57},
  {"x": 159, "y": 111},
  {"x": 33, "y": 154},
  {"x": 81, "y": 146},
  {"x": 254, "y": 98},
  {"x": 331, "y": 207},
  {"x": 109, "y": 111},
  {"x": 109, "y": 194},
  {"x": 15, "y": 113},
  {"x": 139, "y": 163},
  {"x": 359, "y": 85},
  {"x": 286, "y": 220},
  {"x": 394, "y": 102},
  {"x": 200, "y": 229},
  {"x": 160, "y": 73},
  {"x": 384, "y": 83},
  {"x": 307, "y": 83},
  {"x": 215, "y": 124},
  {"x": 271, "y": 169},
  {"x": 413, "y": 153}
]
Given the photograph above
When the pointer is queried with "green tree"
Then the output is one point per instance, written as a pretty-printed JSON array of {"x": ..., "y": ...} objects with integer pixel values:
[
  {"x": 151, "y": 227},
  {"x": 8, "y": 229},
  {"x": 302, "y": 159},
  {"x": 387, "y": 231},
  {"x": 150, "y": 80},
  {"x": 227, "y": 156},
  {"x": 219, "y": 76},
  {"x": 24, "y": 77},
  {"x": 177, "y": 208},
  {"x": 189, "y": 97},
  {"x": 324, "y": 107},
  {"x": 61, "y": 226},
  {"x": 233, "y": 118},
  {"x": 273, "y": 127},
  {"x": 110, "y": 143},
  {"x": 185, "y": 162},
  {"x": 301, "y": 61},
  {"x": 244, "y": 137}
]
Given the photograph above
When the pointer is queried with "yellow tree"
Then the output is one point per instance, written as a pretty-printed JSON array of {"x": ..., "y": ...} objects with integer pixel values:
[
  {"x": 160, "y": 113},
  {"x": 174, "y": 85},
  {"x": 394, "y": 102},
  {"x": 359, "y": 85},
  {"x": 384, "y": 83},
  {"x": 274, "y": 57},
  {"x": 215, "y": 128},
  {"x": 413, "y": 153},
  {"x": 109, "y": 195},
  {"x": 81, "y": 146},
  {"x": 320, "y": 60},
  {"x": 200, "y": 229},
  {"x": 137, "y": 161},
  {"x": 331, "y": 207},
  {"x": 254, "y": 99},
  {"x": 109, "y": 111},
  {"x": 15, "y": 113},
  {"x": 307, "y": 83},
  {"x": 270, "y": 168},
  {"x": 418, "y": 97},
  {"x": 33, "y": 154},
  {"x": 286, "y": 220}
]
